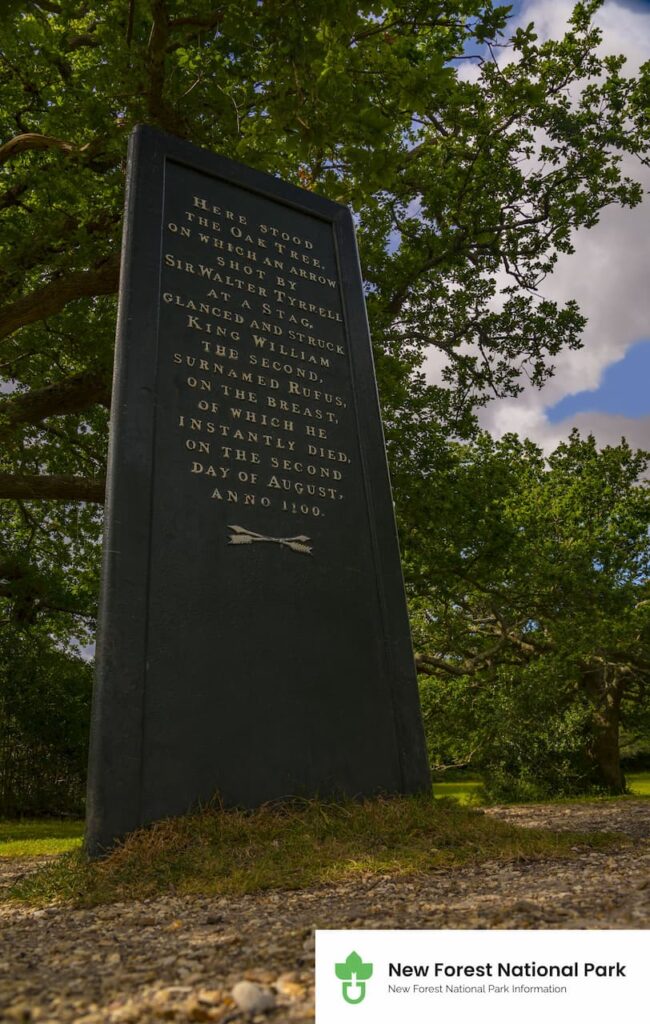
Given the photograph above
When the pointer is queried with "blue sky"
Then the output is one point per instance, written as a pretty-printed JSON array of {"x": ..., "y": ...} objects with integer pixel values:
[
  {"x": 520, "y": 5},
  {"x": 604, "y": 388},
  {"x": 624, "y": 389}
]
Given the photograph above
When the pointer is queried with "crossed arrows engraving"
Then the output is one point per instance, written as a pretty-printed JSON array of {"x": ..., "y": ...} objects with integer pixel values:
[{"x": 242, "y": 536}]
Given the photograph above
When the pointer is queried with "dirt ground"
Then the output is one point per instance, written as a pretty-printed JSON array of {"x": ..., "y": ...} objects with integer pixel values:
[{"x": 178, "y": 958}]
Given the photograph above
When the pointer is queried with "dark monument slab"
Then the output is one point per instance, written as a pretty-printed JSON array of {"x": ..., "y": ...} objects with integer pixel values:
[{"x": 253, "y": 640}]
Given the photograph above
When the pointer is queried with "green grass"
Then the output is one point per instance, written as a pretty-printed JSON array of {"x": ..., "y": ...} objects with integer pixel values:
[
  {"x": 288, "y": 846},
  {"x": 31, "y": 838},
  {"x": 639, "y": 784},
  {"x": 291, "y": 846},
  {"x": 469, "y": 792}
]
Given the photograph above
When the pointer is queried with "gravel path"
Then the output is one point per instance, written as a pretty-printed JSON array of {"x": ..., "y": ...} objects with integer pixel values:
[{"x": 178, "y": 958}]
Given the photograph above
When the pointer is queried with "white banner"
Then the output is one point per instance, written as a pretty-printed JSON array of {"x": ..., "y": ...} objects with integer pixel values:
[{"x": 489, "y": 977}]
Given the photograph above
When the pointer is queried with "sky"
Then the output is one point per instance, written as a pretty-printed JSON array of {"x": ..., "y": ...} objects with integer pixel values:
[{"x": 604, "y": 388}]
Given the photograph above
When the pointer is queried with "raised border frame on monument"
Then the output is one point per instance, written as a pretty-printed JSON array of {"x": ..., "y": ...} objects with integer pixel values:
[{"x": 115, "y": 767}]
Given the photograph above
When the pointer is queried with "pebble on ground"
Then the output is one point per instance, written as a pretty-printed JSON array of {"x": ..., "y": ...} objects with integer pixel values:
[{"x": 251, "y": 958}]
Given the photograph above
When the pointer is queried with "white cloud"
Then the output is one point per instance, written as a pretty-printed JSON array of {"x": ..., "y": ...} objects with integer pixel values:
[
  {"x": 607, "y": 274},
  {"x": 625, "y": 28},
  {"x": 607, "y": 428}
]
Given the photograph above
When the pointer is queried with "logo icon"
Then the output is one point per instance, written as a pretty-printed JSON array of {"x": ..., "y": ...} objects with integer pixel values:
[{"x": 354, "y": 975}]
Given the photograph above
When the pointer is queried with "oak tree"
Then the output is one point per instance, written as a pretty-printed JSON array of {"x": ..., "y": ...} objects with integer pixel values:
[
  {"x": 469, "y": 152},
  {"x": 529, "y": 577}
]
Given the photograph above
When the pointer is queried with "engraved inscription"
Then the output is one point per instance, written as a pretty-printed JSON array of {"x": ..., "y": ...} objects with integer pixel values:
[{"x": 259, "y": 360}]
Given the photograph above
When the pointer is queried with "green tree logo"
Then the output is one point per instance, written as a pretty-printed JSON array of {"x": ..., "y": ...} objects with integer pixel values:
[{"x": 354, "y": 975}]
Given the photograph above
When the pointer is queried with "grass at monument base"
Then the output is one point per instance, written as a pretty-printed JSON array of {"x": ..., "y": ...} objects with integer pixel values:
[
  {"x": 36, "y": 837},
  {"x": 292, "y": 846}
]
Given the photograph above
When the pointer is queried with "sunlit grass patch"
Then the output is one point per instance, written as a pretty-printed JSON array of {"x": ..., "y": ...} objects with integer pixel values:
[
  {"x": 33, "y": 838},
  {"x": 471, "y": 792},
  {"x": 292, "y": 846},
  {"x": 466, "y": 792},
  {"x": 639, "y": 783}
]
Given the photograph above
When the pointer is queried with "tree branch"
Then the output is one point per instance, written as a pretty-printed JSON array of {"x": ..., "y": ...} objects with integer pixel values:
[
  {"x": 78, "y": 42},
  {"x": 53, "y": 488},
  {"x": 52, "y": 297},
  {"x": 31, "y": 140},
  {"x": 198, "y": 20},
  {"x": 73, "y": 394},
  {"x": 91, "y": 152},
  {"x": 159, "y": 109},
  {"x": 12, "y": 195},
  {"x": 48, "y": 247},
  {"x": 129, "y": 23},
  {"x": 32, "y": 591},
  {"x": 427, "y": 665},
  {"x": 47, "y": 5}
]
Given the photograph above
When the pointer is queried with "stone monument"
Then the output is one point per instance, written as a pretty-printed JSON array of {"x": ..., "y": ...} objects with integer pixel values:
[{"x": 253, "y": 640}]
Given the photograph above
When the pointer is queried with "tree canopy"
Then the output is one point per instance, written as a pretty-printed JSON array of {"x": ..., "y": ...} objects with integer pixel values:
[
  {"x": 470, "y": 154},
  {"x": 457, "y": 179},
  {"x": 530, "y": 579}
]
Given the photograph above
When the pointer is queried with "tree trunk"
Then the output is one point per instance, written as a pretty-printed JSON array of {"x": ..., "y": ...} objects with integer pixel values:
[{"x": 605, "y": 697}]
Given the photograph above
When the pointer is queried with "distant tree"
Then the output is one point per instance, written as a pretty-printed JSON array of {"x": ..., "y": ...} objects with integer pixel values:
[
  {"x": 44, "y": 725},
  {"x": 529, "y": 578},
  {"x": 48, "y": 583}
]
